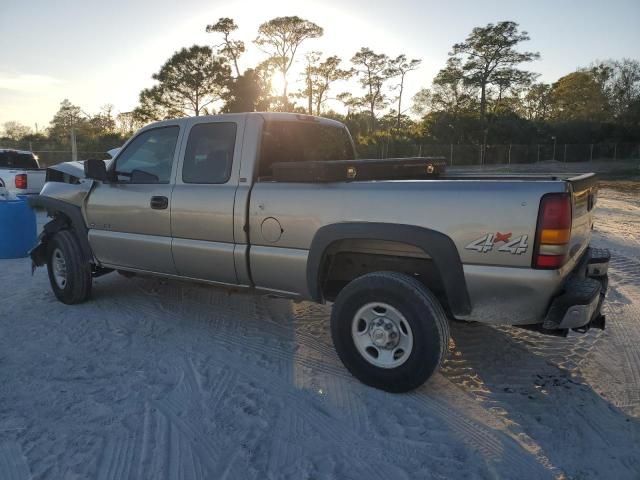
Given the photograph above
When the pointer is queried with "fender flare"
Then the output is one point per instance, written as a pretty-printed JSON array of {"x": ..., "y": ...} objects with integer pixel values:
[
  {"x": 437, "y": 245},
  {"x": 75, "y": 222}
]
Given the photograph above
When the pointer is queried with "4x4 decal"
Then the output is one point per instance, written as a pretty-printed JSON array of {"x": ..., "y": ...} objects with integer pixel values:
[{"x": 487, "y": 242}]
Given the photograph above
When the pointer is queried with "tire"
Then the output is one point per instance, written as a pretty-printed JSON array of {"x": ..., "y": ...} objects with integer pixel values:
[
  {"x": 403, "y": 310},
  {"x": 76, "y": 287}
]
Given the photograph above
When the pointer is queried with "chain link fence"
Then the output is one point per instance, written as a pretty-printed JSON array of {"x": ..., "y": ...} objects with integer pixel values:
[
  {"x": 50, "y": 154},
  {"x": 457, "y": 154}
]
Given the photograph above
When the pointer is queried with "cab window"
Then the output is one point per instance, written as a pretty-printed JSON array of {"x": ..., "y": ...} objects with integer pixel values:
[
  {"x": 13, "y": 159},
  {"x": 149, "y": 157},
  {"x": 287, "y": 141},
  {"x": 209, "y": 154}
]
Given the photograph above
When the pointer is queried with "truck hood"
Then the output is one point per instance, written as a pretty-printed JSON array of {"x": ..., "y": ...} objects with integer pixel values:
[
  {"x": 67, "y": 182},
  {"x": 75, "y": 169}
]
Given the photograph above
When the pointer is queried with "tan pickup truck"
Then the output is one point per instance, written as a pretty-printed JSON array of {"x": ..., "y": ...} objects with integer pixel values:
[{"x": 198, "y": 199}]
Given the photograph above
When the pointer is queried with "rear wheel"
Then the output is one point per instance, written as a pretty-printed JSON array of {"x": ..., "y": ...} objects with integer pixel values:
[
  {"x": 69, "y": 272},
  {"x": 389, "y": 330}
]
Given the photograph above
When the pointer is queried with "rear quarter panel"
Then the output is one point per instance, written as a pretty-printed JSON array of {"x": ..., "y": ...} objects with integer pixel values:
[
  {"x": 502, "y": 286},
  {"x": 465, "y": 210},
  {"x": 4, "y": 176}
]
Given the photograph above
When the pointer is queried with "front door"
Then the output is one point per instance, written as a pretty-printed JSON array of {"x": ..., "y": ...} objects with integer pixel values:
[{"x": 129, "y": 218}]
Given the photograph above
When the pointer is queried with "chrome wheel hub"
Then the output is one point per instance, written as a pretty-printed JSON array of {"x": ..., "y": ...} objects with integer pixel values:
[
  {"x": 382, "y": 335},
  {"x": 59, "y": 268}
]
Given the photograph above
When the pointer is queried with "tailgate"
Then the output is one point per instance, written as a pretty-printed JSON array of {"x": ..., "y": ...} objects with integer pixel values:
[
  {"x": 584, "y": 190},
  {"x": 35, "y": 180}
]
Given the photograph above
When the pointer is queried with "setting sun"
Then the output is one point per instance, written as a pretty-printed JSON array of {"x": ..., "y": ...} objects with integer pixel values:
[{"x": 277, "y": 83}]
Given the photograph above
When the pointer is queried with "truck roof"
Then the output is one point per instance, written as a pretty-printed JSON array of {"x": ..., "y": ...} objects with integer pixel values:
[
  {"x": 26, "y": 152},
  {"x": 268, "y": 116}
]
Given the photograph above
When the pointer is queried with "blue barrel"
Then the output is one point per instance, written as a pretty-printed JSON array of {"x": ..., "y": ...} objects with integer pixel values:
[{"x": 18, "y": 231}]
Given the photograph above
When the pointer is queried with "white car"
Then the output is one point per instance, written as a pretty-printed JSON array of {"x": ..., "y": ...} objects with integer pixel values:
[
  {"x": 20, "y": 171},
  {"x": 4, "y": 194}
]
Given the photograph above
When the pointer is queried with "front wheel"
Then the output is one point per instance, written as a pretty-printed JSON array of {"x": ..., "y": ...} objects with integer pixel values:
[
  {"x": 389, "y": 330},
  {"x": 69, "y": 272}
]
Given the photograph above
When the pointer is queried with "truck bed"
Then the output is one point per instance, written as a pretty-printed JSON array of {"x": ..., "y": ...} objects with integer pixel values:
[
  {"x": 581, "y": 179},
  {"x": 412, "y": 168}
]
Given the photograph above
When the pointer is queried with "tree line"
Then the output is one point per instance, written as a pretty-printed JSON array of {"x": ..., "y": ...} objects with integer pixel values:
[{"x": 484, "y": 93}]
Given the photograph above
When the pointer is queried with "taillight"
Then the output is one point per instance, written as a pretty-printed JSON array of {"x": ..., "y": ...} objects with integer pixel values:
[
  {"x": 21, "y": 181},
  {"x": 554, "y": 231}
]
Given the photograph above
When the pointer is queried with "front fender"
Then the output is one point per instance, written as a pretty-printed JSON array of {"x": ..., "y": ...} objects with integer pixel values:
[{"x": 65, "y": 217}]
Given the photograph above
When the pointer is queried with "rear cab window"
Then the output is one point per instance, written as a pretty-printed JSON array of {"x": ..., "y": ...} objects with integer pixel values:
[
  {"x": 18, "y": 160},
  {"x": 302, "y": 141}
]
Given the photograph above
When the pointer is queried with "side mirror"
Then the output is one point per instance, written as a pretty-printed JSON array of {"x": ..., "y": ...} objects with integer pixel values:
[{"x": 95, "y": 170}]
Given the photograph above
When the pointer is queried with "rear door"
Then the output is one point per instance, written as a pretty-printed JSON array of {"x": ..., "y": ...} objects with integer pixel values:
[
  {"x": 129, "y": 218},
  {"x": 202, "y": 208}
]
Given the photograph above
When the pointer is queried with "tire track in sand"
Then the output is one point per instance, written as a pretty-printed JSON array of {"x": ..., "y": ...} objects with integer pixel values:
[
  {"x": 13, "y": 464},
  {"x": 506, "y": 450},
  {"x": 335, "y": 431},
  {"x": 169, "y": 448},
  {"x": 117, "y": 458}
]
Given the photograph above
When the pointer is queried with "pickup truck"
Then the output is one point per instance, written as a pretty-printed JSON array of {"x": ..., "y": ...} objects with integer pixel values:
[
  {"x": 20, "y": 171},
  {"x": 197, "y": 199}
]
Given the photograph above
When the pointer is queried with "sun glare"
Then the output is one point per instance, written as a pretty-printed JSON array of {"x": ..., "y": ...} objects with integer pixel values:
[{"x": 277, "y": 83}]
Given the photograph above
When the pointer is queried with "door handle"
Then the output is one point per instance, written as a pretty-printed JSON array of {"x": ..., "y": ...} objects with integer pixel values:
[{"x": 159, "y": 203}]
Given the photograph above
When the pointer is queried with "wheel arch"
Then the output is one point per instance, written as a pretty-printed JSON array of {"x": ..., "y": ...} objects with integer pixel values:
[
  {"x": 436, "y": 245},
  {"x": 65, "y": 217}
]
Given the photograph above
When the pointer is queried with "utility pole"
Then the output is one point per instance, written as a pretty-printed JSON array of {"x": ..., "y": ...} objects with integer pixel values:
[{"x": 74, "y": 147}]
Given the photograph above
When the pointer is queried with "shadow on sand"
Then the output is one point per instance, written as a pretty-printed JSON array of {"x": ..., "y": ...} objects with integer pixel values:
[{"x": 535, "y": 384}]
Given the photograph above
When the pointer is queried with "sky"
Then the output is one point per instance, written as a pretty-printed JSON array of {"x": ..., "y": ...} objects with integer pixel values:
[{"x": 104, "y": 52}]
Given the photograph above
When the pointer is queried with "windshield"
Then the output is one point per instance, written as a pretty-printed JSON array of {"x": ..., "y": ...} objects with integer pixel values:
[
  {"x": 286, "y": 141},
  {"x": 20, "y": 160}
]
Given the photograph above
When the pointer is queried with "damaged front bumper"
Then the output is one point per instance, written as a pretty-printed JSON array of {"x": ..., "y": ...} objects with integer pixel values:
[{"x": 578, "y": 306}]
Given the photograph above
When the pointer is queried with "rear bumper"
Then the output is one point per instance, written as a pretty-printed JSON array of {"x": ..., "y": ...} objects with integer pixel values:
[{"x": 579, "y": 303}]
